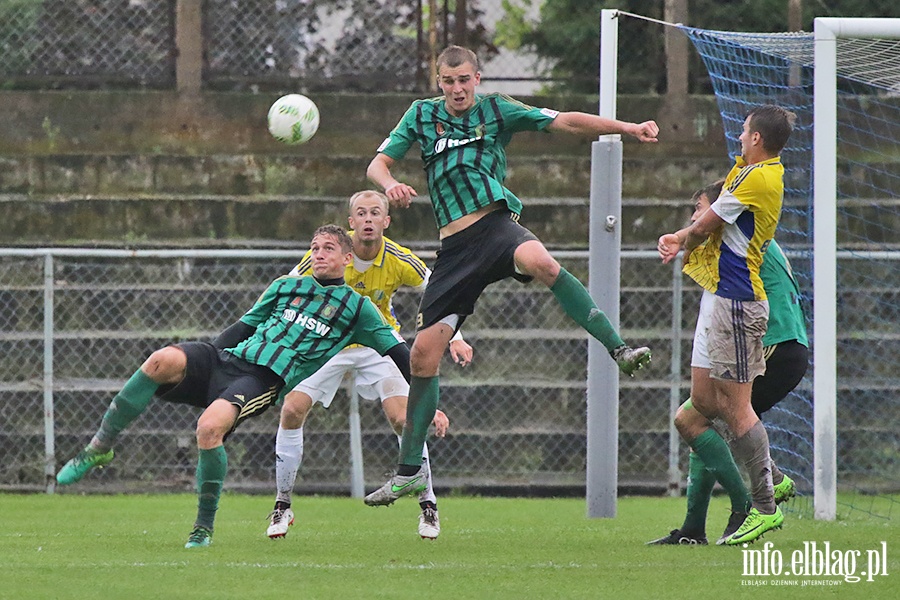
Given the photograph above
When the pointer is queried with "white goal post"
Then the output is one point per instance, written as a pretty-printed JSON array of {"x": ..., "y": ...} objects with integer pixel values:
[{"x": 827, "y": 31}]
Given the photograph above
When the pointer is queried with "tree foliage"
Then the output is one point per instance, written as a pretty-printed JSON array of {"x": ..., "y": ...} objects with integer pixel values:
[{"x": 566, "y": 36}]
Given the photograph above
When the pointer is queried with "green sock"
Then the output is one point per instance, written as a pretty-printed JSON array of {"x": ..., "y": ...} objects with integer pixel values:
[
  {"x": 212, "y": 465},
  {"x": 578, "y": 304},
  {"x": 699, "y": 490},
  {"x": 125, "y": 407},
  {"x": 716, "y": 455},
  {"x": 424, "y": 393}
]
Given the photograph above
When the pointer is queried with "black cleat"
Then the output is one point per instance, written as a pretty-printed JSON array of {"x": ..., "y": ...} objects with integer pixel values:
[{"x": 678, "y": 538}]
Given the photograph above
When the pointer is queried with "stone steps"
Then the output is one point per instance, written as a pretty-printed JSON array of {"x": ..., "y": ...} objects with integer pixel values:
[{"x": 197, "y": 220}]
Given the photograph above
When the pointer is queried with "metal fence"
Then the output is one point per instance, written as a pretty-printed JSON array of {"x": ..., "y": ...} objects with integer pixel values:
[
  {"x": 517, "y": 413},
  {"x": 82, "y": 43}
]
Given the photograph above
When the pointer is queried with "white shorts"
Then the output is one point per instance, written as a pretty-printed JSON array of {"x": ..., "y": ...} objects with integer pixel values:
[
  {"x": 728, "y": 338},
  {"x": 700, "y": 353},
  {"x": 377, "y": 377}
]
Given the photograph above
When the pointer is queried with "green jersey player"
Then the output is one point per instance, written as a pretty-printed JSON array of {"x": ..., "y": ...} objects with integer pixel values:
[
  {"x": 297, "y": 324},
  {"x": 462, "y": 138}
]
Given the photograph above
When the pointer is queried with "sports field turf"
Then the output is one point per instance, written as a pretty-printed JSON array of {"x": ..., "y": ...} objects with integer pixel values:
[{"x": 99, "y": 547}]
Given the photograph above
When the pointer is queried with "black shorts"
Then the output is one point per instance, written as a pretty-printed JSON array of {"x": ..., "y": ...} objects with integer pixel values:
[
  {"x": 212, "y": 374},
  {"x": 786, "y": 364},
  {"x": 468, "y": 262}
]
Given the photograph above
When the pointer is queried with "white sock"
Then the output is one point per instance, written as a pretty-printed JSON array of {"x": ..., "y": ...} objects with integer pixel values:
[
  {"x": 428, "y": 494},
  {"x": 288, "y": 455}
]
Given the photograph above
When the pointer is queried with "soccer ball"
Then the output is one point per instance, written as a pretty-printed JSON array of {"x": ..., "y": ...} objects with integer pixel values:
[{"x": 293, "y": 119}]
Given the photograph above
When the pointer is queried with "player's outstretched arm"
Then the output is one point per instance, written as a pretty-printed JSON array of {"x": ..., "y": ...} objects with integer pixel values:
[
  {"x": 379, "y": 173},
  {"x": 579, "y": 123}
]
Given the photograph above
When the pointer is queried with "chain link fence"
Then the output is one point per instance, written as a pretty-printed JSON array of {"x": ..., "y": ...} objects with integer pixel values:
[
  {"x": 517, "y": 413},
  {"x": 84, "y": 43},
  {"x": 320, "y": 45}
]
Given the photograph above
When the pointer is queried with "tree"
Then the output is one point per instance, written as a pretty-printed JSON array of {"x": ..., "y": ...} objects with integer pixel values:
[{"x": 566, "y": 37}]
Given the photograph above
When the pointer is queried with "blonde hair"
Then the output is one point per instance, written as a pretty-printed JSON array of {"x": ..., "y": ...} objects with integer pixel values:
[{"x": 364, "y": 193}]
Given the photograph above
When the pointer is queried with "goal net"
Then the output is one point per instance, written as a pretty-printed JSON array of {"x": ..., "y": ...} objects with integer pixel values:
[{"x": 863, "y": 216}]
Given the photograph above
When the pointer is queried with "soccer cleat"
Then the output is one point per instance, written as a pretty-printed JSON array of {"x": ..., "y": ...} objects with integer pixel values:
[
  {"x": 677, "y": 538},
  {"x": 200, "y": 537},
  {"x": 83, "y": 462},
  {"x": 631, "y": 359},
  {"x": 734, "y": 521},
  {"x": 429, "y": 524},
  {"x": 397, "y": 487},
  {"x": 279, "y": 521},
  {"x": 785, "y": 490},
  {"x": 754, "y": 526}
]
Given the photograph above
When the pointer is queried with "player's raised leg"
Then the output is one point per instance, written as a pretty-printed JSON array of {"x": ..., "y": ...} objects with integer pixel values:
[
  {"x": 165, "y": 366},
  {"x": 532, "y": 258}
]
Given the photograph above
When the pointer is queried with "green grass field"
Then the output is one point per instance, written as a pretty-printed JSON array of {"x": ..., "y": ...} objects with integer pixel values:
[{"x": 98, "y": 547}]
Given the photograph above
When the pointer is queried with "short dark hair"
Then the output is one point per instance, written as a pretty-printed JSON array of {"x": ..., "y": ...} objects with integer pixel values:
[
  {"x": 711, "y": 191},
  {"x": 339, "y": 233},
  {"x": 454, "y": 56},
  {"x": 774, "y": 124}
]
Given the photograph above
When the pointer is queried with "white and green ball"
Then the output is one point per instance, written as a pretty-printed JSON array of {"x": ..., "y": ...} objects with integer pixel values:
[{"x": 293, "y": 119}]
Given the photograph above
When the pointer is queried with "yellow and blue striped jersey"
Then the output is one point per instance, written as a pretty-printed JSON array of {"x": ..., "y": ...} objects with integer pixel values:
[
  {"x": 728, "y": 264},
  {"x": 393, "y": 266}
]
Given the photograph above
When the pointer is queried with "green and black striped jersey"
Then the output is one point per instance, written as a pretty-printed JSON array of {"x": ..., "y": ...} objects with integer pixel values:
[
  {"x": 301, "y": 323},
  {"x": 465, "y": 157}
]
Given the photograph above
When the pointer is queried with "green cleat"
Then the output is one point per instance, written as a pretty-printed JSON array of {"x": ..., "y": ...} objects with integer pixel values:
[
  {"x": 631, "y": 359},
  {"x": 200, "y": 537},
  {"x": 754, "y": 526},
  {"x": 785, "y": 490},
  {"x": 397, "y": 487},
  {"x": 83, "y": 462}
]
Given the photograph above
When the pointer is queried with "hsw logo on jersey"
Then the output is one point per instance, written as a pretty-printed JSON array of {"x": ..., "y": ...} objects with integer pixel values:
[
  {"x": 447, "y": 143},
  {"x": 302, "y": 320}
]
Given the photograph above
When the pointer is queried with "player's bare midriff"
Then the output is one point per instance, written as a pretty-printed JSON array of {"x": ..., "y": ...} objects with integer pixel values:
[{"x": 469, "y": 219}]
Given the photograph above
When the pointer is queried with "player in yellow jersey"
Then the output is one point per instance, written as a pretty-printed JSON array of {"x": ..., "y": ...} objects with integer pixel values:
[
  {"x": 734, "y": 310},
  {"x": 380, "y": 266}
]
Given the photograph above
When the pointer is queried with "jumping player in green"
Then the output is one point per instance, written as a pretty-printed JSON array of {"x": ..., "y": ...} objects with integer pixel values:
[
  {"x": 462, "y": 138},
  {"x": 293, "y": 329}
]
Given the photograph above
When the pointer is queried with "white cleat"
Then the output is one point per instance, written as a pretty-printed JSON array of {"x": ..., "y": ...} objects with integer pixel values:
[
  {"x": 429, "y": 524},
  {"x": 279, "y": 521}
]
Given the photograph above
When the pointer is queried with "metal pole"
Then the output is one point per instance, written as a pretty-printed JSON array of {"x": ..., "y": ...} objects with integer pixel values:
[
  {"x": 49, "y": 425},
  {"x": 825, "y": 273},
  {"x": 605, "y": 239},
  {"x": 674, "y": 487},
  {"x": 603, "y": 374},
  {"x": 357, "y": 478}
]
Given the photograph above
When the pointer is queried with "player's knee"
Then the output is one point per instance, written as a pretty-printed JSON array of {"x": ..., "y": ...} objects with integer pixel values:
[
  {"x": 166, "y": 365},
  {"x": 294, "y": 410},
  {"x": 682, "y": 422},
  {"x": 542, "y": 267},
  {"x": 425, "y": 361},
  {"x": 210, "y": 433}
]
